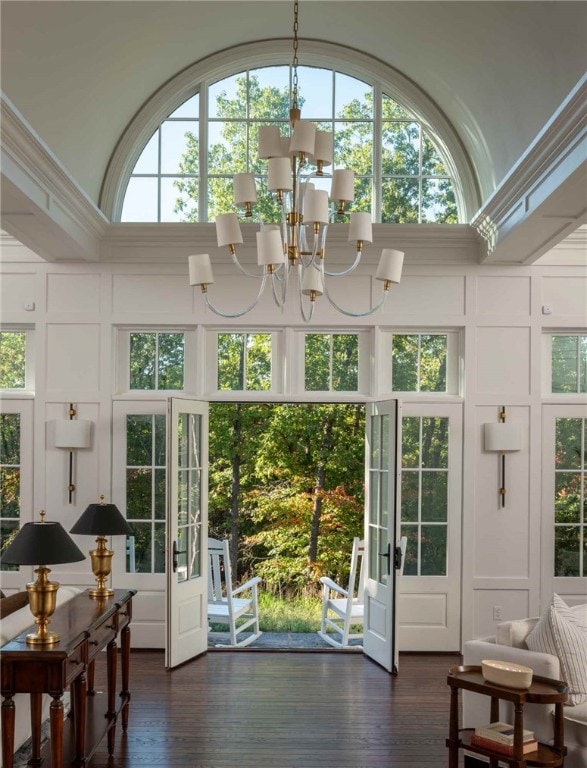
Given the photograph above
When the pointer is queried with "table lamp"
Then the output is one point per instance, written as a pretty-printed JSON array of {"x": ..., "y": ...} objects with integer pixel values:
[
  {"x": 48, "y": 543},
  {"x": 102, "y": 520}
]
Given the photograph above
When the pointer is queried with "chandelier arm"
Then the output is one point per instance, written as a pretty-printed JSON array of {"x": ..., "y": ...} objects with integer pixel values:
[
  {"x": 354, "y": 314},
  {"x": 275, "y": 280},
  {"x": 348, "y": 270},
  {"x": 242, "y": 312},
  {"x": 245, "y": 271}
]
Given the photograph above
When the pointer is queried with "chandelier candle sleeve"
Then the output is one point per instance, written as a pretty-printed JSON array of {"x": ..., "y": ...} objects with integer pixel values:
[
  {"x": 390, "y": 266},
  {"x": 228, "y": 230},
  {"x": 200, "y": 269}
]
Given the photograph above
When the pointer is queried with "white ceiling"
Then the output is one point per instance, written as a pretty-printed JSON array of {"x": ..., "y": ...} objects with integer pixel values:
[{"x": 79, "y": 71}]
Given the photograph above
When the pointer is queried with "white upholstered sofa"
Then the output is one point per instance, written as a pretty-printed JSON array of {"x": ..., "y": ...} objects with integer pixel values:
[
  {"x": 12, "y": 623},
  {"x": 510, "y": 645}
]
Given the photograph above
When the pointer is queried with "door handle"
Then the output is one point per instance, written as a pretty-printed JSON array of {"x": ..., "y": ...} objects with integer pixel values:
[
  {"x": 397, "y": 559},
  {"x": 176, "y": 552},
  {"x": 388, "y": 556}
]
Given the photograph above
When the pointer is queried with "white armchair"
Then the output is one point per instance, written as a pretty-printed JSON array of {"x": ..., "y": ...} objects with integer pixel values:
[{"x": 538, "y": 718}]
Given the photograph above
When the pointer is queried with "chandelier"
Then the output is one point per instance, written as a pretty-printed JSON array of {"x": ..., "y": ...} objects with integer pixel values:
[{"x": 293, "y": 252}]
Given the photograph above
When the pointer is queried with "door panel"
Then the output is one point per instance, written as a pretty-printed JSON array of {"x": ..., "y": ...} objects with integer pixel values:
[
  {"x": 381, "y": 535},
  {"x": 430, "y": 590},
  {"x": 187, "y": 623}
]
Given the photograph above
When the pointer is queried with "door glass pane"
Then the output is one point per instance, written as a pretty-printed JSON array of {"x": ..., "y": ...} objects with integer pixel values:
[
  {"x": 425, "y": 494},
  {"x": 189, "y": 497},
  {"x": 570, "y": 484},
  {"x": 10, "y": 435}
]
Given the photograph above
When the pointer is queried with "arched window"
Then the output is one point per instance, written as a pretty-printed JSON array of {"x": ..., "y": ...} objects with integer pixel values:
[{"x": 405, "y": 171}]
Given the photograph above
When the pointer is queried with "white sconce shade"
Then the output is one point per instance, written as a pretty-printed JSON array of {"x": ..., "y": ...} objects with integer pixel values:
[
  {"x": 200, "y": 269},
  {"x": 343, "y": 185},
  {"x": 228, "y": 230},
  {"x": 279, "y": 174},
  {"x": 390, "y": 265},
  {"x": 316, "y": 206},
  {"x": 269, "y": 246},
  {"x": 73, "y": 433},
  {"x": 304, "y": 137},
  {"x": 503, "y": 436},
  {"x": 323, "y": 147},
  {"x": 360, "y": 227},
  {"x": 269, "y": 141},
  {"x": 244, "y": 188}
]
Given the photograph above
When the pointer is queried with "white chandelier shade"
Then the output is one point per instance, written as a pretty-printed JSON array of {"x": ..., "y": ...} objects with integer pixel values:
[{"x": 297, "y": 244}]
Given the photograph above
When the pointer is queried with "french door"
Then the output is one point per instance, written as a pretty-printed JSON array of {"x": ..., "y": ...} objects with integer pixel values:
[
  {"x": 383, "y": 429},
  {"x": 430, "y": 590},
  {"x": 187, "y": 573},
  {"x": 564, "y": 502}
]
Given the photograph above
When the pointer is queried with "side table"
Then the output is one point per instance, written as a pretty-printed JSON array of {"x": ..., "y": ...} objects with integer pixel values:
[{"x": 542, "y": 691}]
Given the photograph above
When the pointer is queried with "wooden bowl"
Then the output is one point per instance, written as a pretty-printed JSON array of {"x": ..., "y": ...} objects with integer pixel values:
[{"x": 507, "y": 674}]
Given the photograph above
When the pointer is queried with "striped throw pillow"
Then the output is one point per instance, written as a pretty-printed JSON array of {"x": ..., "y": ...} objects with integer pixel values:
[{"x": 562, "y": 632}]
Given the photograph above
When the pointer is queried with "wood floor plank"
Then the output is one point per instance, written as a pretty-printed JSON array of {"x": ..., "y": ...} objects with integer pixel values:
[{"x": 284, "y": 710}]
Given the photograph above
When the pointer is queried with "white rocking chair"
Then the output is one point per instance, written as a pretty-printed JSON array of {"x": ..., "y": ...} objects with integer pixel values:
[
  {"x": 344, "y": 608},
  {"x": 238, "y": 607}
]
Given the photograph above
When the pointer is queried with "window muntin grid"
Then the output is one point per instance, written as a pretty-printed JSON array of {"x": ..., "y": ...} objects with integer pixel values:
[
  {"x": 244, "y": 361},
  {"x": 400, "y": 173},
  {"x": 331, "y": 362},
  {"x": 569, "y": 363},
  {"x": 10, "y": 473},
  {"x": 570, "y": 498},
  {"x": 13, "y": 351}
]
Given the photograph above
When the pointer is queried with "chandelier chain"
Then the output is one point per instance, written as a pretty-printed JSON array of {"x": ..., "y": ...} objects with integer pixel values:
[{"x": 295, "y": 56}]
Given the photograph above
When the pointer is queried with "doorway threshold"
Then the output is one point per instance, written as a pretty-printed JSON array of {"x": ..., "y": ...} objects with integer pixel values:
[{"x": 279, "y": 641}]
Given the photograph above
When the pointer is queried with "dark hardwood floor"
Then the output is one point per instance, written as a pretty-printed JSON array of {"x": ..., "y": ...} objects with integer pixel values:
[{"x": 243, "y": 709}]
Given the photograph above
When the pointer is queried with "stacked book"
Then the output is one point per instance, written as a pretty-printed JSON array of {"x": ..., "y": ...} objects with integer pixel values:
[{"x": 499, "y": 737}]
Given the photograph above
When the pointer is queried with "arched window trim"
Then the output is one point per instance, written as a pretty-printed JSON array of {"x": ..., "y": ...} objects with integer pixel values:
[{"x": 197, "y": 77}]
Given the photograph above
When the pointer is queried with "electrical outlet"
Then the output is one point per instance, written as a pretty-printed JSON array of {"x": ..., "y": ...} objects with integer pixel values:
[{"x": 497, "y": 613}]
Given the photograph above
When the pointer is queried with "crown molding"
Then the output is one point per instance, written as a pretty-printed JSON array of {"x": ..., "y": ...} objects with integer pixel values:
[
  {"x": 542, "y": 200},
  {"x": 42, "y": 206}
]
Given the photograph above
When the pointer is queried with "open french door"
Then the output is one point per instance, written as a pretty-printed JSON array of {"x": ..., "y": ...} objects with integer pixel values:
[
  {"x": 383, "y": 425},
  {"x": 187, "y": 531}
]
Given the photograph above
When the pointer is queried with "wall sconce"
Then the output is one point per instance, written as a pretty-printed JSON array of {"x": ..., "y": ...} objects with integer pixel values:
[
  {"x": 72, "y": 434},
  {"x": 503, "y": 438}
]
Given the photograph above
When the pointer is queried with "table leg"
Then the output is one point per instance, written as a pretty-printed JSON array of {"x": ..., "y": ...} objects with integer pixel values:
[
  {"x": 56, "y": 721},
  {"x": 453, "y": 730},
  {"x": 8, "y": 709},
  {"x": 111, "y": 654},
  {"x": 125, "y": 659},
  {"x": 91, "y": 673},
  {"x": 80, "y": 703},
  {"x": 36, "y": 700}
]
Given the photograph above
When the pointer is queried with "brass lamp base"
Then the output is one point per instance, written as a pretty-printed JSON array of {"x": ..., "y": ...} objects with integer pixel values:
[
  {"x": 42, "y": 602},
  {"x": 101, "y": 558}
]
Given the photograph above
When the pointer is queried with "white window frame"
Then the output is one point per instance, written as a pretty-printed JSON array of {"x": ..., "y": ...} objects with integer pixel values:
[
  {"x": 122, "y": 362},
  {"x": 277, "y": 364},
  {"x": 29, "y": 369},
  {"x": 384, "y": 362},
  {"x": 547, "y": 363}
]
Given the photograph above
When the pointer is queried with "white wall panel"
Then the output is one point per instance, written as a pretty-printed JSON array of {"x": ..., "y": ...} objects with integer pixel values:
[
  {"x": 565, "y": 295},
  {"x": 151, "y": 293},
  {"x": 418, "y": 295},
  {"x": 501, "y": 533},
  {"x": 512, "y": 602},
  {"x": 73, "y": 357},
  {"x": 15, "y": 290},
  {"x": 503, "y": 360},
  {"x": 73, "y": 293},
  {"x": 503, "y": 296}
]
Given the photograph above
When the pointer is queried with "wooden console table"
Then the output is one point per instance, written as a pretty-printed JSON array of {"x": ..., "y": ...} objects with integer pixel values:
[
  {"x": 86, "y": 627},
  {"x": 543, "y": 690}
]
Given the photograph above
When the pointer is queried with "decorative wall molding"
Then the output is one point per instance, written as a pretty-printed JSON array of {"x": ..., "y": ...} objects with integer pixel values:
[
  {"x": 542, "y": 200},
  {"x": 42, "y": 206}
]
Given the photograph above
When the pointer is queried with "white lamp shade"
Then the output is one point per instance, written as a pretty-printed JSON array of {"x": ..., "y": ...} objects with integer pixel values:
[
  {"x": 312, "y": 282},
  {"x": 279, "y": 176},
  {"x": 503, "y": 436},
  {"x": 200, "y": 269},
  {"x": 269, "y": 246},
  {"x": 269, "y": 141},
  {"x": 343, "y": 185},
  {"x": 244, "y": 188},
  {"x": 360, "y": 227},
  {"x": 228, "y": 230},
  {"x": 323, "y": 147},
  {"x": 73, "y": 433},
  {"x": 316, "y": 206},
  {"x": 284, "y": 147},
  {"x": 303, "y": 138},
  {"x": 390, "y": 265}
]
